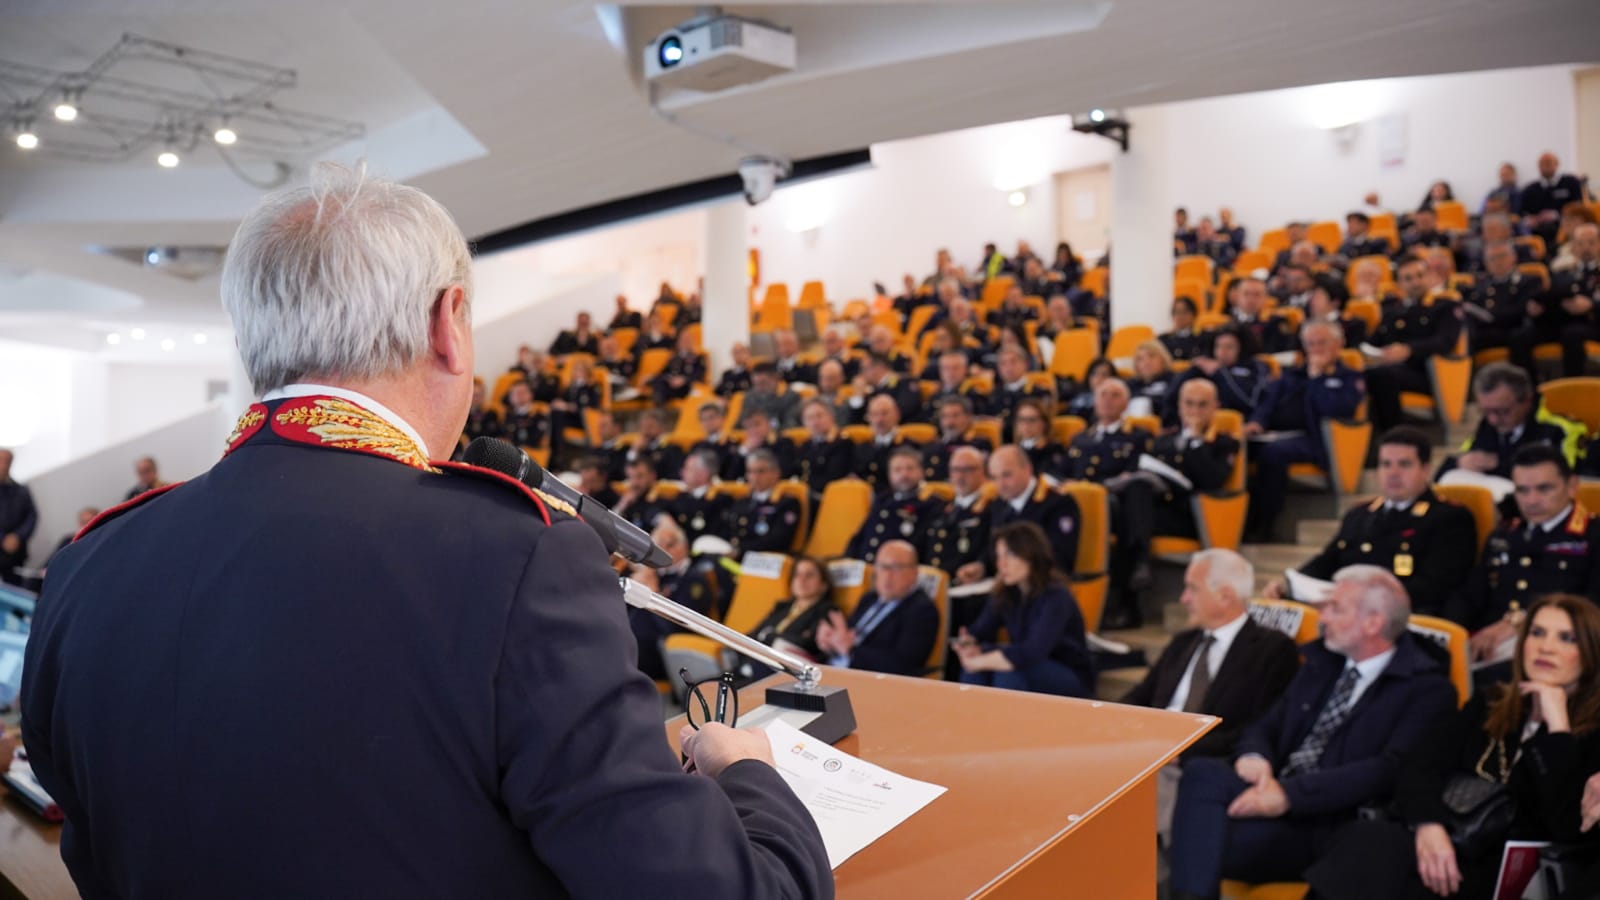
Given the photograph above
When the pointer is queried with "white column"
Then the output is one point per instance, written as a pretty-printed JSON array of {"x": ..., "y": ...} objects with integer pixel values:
[
  {"x": 725, "y": 316},
  {"x": 1141, "y": 226}
]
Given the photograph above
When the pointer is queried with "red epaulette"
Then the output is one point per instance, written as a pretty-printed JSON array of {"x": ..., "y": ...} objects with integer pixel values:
[
  {"x": 124, "y": 506},
  {"x": 541, "y": 501}
]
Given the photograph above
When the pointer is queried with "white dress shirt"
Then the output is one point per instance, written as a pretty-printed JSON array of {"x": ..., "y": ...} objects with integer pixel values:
[{"x": 1222, "y": 639}]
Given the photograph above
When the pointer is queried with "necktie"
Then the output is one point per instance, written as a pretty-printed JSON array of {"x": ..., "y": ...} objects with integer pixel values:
[
  {"x": 1306, "y": 757},
  {"x": 1200, "y": 678},
  {"x": 877, "y": 614}
]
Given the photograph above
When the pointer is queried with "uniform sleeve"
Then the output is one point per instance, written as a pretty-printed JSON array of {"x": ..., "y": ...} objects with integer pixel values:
[
  {"x": 586, "y": 769},
  {"x": 1438, "y": 573},
  {"x": 1064, "y": 531}
]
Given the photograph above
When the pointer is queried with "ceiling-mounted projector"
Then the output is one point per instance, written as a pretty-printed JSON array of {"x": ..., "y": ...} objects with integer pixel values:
[{"x": 718, "y": 52}]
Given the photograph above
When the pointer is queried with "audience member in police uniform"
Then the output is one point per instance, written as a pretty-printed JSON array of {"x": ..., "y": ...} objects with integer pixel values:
[
  {"x": 526, "y": 425},
  {"x": 790, "y": 367},
  {"x": 1567, "y": 316},
  {"x": 1296, "y": 286},
  {"x": 958, "y": 534},
  {"x": 481, "y": 420},
  {"x": 532, "y": 364},
  {"x": 683, "y": 371},
  {"x": 625, "y": 317},
  {"x": 146, "y": 477},
  {"x": 879, "y": 379},
  {"x": 1182, "y": 234},
  {"x": 1364, "y": 698},
  {"x": 1032, "y": 425},
  {"x": 902, "y": 513},
  {"x": 872, "y": 456},
  {"x": 652, "y": 442},
  {"x": 1013, "y": 309},
  {"x": 1326, "y": 306},
  {"x": 595, "y": 480},
  {"x": 1012, "y": 386},
  {"x": 619, "y": 366},
  {"x": 641, "y": 501},
  {"x": 758, "y": 435},
  {"x": 1513, "y": 418},
  {"x": 1239, "y": 379},
  {"x": 581, "y": 339},
  {"x": 713, "y": 417},
  {"x": 1023, "y": 495},
  {"x": 1299, "y": 400},
  {"x": 834, "y": 348},
  {"x": 1551, "y": 547},
  {"x": 697, "y": 508},
  {"x": 893, "y": 628},
  {"x": 1218, "y": 247},
  {"x": 1110, "y": 446},
  {"x": 1423, "y": 234},
  {"x": 368, "y": 629},
  {"x": 1410, "y": 333},
  {"x": 823, "y": 456},
  {"x": 1358, "y": 241},
  {"x": 955, "y": 430},
  {"x": 880, "y": 341},
  {"x": 1260, "y": 331},
  {"x": 1223, "y": 665},
  {"x": 1081, "y": 402},
  {"x": 953, "y": 382},
  {"x": 834, "y": 391},
  {"x": 763, "y": 520},
  {"x": 654, "y": 336},
  {"x": 567, "y": 410},
  {"x": 681, "y": 582},
  {"x": 1409, "y": 530},
  {"x": 770, "y": 395},
  {"x": 735, "y": 378},
  {"x": 1182, "y": 342},
  {"x": 1058, "y": 317},
  {"x": 612, "y": 450},
  {"x": 1543, "y": 198},
  {"x": 1497, "y": 305}
]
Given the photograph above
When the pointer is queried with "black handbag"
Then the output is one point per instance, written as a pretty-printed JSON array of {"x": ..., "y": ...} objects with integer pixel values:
[{"x": 1480, "y": 813}]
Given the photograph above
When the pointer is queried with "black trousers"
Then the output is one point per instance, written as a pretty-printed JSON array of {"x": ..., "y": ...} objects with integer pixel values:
[
  {"x": 1571, "y": 335},
  {"x": 1385, "y": 384}
]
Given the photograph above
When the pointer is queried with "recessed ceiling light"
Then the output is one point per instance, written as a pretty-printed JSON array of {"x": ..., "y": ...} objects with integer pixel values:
[
  {"x": 167, "y": 159},
  {"x": 225, "y": 135},
  {"x": 200, "y": 339},
  {"x": 113, "y": 339},
  {"x": 137, "y": 334},
  {"x": 168, "y": 343},
  {"x": 66, "y": 112},
  {"x": 27, "y": 140}
]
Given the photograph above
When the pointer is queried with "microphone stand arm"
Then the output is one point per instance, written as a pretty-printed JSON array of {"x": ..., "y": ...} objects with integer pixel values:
[{"x": 832, "y": 715}]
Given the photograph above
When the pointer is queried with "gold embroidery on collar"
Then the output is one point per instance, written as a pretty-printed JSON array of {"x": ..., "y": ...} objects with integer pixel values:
[
  {"x": 250, "y": 418},
  {"x": 340, "y": 423}
]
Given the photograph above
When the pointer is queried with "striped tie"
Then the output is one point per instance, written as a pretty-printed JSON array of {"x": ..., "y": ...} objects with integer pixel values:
[{"x": 1334, "y": 713}]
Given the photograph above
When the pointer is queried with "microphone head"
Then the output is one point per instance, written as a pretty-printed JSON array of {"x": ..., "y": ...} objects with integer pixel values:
[
  {"x": 658, "y": 558},
  {"x": 499, "y": 456}
]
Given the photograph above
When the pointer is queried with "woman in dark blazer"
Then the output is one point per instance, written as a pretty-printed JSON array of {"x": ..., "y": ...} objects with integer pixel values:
[
  {"x": 1049, "y": 652},
  {"x": 792, "y": 624},
  {"x": 1539, "y": 735}
]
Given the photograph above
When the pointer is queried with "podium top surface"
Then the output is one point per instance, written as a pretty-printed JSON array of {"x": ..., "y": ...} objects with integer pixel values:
[{"x": 1023, "y": 771}]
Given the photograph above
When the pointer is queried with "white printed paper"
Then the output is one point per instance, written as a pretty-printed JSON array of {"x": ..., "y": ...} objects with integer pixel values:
[
  {"x": 853, "y": 801},
  {"x": 1148, "y": 463},
  {"x": 1306, "y": 589},
  {"x": 1499, "y": 487}
]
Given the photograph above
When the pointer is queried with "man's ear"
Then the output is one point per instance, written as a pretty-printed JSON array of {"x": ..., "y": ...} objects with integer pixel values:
[{"x": 450, "y": 330}]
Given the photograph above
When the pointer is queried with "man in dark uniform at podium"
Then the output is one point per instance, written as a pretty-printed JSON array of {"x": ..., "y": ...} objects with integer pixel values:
[{"x": 337, "y": 667}]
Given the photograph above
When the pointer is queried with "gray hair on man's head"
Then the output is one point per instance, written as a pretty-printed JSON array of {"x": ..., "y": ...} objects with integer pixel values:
[
  {"x": 1227, "y": 569},
  {"x": 1381, "y": 593},
  {"x": 335, "y": 280}
]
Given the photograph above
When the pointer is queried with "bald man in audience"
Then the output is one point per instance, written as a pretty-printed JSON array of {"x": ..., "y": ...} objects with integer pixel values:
[
  {"x": 893, "y": 628},
  {"x": 1023, "y": 495},
  {"x": 1223, "y": 665}
]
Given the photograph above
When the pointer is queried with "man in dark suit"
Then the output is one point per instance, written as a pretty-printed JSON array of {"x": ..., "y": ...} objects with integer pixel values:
[
  {"x": 624, "y": 317},
  {"x": 1543, "y": 199},
  {"x": 893, "y": 628},
  {"x": 1421, "y": 539},
  {"x": 823, "y": 456},
  {"x": 1410, "y": 333},
  {"x": 1331, "y": 746},
  {"x": 386, "y": 634},
  {"x": 1224, "y": 665},
  {"x": 879, "y": 378},
  {"x": 581, "y": 339},
  {"x": 18, "y": 518}
]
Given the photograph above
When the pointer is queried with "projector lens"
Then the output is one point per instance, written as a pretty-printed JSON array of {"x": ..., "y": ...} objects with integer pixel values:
[{"x": 670, "y": 51}]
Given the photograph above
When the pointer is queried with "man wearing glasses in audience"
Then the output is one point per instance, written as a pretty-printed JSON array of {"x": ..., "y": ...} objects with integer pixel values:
[{"x": 893, "y": 628}]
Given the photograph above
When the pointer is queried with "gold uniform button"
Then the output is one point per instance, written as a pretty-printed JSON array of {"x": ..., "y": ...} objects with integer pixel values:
[
  {"x": 1526, "y": 562},
  {"x": 1563, "y": 565},
  {"x": 1366, "y": 548},
  {"x": 1404, "y": 546},
  {"x": 1522, "y": 585},
  {"x": 1341, "y": 543}
]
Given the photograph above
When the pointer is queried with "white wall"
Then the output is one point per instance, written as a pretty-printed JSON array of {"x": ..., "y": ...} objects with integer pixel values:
[
  {"x": 555, "y": 306},
  {"x": 1268, "y": 156},
  {"x": 184, "y": 448},
  {"x": 947, "y": 190},
  {"x": 141, "y": 398}
]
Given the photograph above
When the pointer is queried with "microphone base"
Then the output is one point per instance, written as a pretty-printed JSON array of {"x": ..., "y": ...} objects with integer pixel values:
[{"x": 835, "y": 718}]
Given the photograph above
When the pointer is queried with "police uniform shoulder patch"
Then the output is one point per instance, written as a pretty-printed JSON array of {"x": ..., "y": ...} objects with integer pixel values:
[
  {"x": 543, "y": 501},
  {"x": 115, "y": 511}
]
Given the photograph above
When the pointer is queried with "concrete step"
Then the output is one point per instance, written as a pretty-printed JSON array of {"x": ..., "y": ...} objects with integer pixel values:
[{"x": 1115, "y": 684}]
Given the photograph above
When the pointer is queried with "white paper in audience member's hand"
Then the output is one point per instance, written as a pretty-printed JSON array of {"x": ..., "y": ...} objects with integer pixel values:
[
  {"x": 853, "y": 801},
  {"x": 1501, "y": 488},
  {"x": 1140, "y": 406},
  {"x": 1306, "y": 589}
]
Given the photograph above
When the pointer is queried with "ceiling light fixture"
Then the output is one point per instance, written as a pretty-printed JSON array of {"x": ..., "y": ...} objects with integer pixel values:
[
  {"x": 26, "y": 139},
  {"x": 137, "y": 334},
  {"x": 66, "y": 112},
  {"x": 225, "y": 136},
  {"x": 168, "y": 344},
  {"x": 1017, "y": 198},
  {"x": 200, "y": 338},
  {"x": 167, "y": 159},
  {"x": 113, "y": 339}
]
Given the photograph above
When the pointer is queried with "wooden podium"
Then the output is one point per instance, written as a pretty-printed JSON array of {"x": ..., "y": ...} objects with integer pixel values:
[{"x": 1048, "y": 797}]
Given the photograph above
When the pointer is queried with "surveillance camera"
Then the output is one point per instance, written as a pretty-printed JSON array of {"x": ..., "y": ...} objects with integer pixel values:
[{"x": 760, "y": 175}]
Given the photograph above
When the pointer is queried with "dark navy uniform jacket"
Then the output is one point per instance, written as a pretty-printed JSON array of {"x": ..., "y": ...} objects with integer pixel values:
[
  {"x": 1520, "y": 564},
  {"x": 1428, "y": 329},
  {"x": 1426, "y": 545},
  {"x": 1098, "y": 456},
  {"x": 957, "y": 535},
  {"x": 1295, "y": 401},
  {"x": 315, "y": 672},
  {"x": 819, "y": 462},
  {"x": 893, "y": 516}
]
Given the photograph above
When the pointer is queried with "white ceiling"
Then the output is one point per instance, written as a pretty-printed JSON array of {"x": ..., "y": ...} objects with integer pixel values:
[{"x": 532, "y": 111}]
